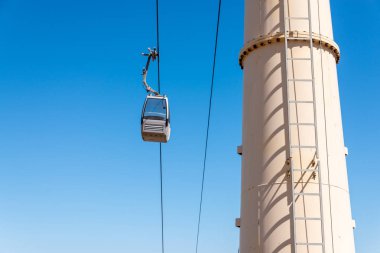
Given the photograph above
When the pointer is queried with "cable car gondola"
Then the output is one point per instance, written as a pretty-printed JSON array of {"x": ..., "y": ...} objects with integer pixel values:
[{"x": 155, "y": 117}]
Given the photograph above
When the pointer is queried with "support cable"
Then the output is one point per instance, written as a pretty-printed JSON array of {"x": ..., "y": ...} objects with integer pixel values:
[
  {"x": 158, "y": 45},
  {"x": 208, "y": 125},
  {"x": 162, "y": 204},
  {"x": 159, "y": 91}
]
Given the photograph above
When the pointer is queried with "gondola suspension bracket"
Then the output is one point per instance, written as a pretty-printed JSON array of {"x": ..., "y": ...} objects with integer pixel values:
[{"x": 152, "y": 56}]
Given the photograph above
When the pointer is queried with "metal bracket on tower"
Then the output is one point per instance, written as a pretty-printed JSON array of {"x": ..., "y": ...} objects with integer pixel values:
[
  {"x": 237, "y": 222},
  {"x": 288, "y": 161},
  {"x": 239, "y": 150}
]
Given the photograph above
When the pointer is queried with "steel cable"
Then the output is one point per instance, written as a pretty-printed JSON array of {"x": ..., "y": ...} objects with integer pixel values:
[
  {"x": 208, "y": 125},
  {"x": 159, "y": 91}
]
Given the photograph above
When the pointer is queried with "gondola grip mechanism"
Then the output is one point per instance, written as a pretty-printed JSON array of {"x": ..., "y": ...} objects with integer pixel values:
[{"x": 152, "y": 55}]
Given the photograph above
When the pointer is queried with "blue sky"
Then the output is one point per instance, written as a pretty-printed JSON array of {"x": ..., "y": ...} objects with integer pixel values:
[{"x": 75, "y": 175}]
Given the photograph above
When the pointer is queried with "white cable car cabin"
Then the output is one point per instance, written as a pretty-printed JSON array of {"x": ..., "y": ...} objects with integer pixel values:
[{"x": 155, "y": 119}]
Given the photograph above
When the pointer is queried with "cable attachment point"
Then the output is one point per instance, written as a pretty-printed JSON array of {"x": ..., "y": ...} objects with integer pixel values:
[{"x": 152, "y": 55}]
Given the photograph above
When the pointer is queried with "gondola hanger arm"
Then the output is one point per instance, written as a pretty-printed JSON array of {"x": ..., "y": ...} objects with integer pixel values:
[{"x": 152, "y": 55}]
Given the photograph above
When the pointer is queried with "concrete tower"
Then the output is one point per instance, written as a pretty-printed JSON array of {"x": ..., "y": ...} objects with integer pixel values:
[{"x": 295, "y": 196}]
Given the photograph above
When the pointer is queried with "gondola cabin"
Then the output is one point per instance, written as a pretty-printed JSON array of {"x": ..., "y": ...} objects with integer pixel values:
[{"x": 155, "y": 119}]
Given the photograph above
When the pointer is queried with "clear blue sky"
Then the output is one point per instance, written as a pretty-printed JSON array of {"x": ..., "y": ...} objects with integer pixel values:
[{"x": 75, "y": 175}]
